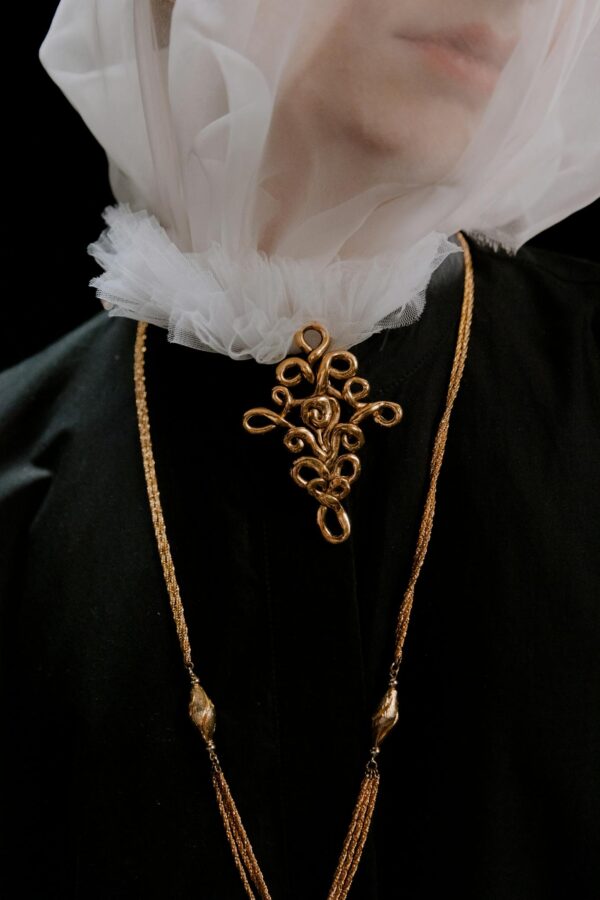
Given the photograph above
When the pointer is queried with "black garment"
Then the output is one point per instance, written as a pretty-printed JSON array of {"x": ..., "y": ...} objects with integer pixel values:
[{"x": 489, "y": 781}]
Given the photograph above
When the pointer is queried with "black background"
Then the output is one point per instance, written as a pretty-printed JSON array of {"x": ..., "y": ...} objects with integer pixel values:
[{"x": 58, "y": 187}]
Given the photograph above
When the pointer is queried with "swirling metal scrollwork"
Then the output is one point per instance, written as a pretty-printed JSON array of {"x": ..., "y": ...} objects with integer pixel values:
[{"x": 328, "y": 465}]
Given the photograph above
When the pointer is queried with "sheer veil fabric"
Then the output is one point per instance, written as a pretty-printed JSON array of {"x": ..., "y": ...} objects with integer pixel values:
[{"x": 279, "y": 161}]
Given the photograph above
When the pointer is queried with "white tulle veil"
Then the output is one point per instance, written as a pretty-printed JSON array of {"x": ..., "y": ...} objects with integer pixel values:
[{"x": 281, "y": 161}]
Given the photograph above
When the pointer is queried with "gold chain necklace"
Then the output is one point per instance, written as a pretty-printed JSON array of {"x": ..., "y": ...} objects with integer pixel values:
[{"x": 201, "y": 708}]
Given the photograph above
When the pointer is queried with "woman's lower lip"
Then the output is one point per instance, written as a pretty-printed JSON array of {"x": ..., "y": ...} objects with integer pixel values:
[{"x": 478, "y": 73}]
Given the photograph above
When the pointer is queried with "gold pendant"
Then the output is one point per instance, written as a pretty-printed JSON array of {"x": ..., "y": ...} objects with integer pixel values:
[{"x": 327, "y": 474}]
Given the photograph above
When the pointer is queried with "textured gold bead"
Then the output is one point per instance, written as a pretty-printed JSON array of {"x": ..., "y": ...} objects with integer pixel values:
[
  {"x": 385, "y": 716},
  {"x": 202, "y": 712}
]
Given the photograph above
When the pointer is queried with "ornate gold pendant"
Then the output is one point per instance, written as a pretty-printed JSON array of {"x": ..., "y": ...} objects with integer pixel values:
[{"x": 327, "y": 474}]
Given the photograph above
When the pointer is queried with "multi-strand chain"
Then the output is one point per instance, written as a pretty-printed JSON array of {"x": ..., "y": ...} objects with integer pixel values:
[{"x": 201, "y": 708}]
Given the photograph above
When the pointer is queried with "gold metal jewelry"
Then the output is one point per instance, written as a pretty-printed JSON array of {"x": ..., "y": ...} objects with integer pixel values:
[
  {"x": 320, "y": 429},
  {"x": 201, "y": 708}
]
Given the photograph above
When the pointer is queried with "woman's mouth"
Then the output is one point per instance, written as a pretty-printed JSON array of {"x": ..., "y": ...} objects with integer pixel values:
[{"x": 473, "y": 54}]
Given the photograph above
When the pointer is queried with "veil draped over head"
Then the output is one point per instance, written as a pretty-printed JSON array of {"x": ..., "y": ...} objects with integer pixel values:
[{"x": 282, "y": 161}]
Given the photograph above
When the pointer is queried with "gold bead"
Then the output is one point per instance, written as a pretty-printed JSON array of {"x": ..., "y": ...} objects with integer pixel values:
[
  {"x": 386, "y": 716},
  {"x": 202, "y": 712}
]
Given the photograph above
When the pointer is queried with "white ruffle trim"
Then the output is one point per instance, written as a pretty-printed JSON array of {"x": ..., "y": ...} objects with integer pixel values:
[{"x": 251, "y": 306}]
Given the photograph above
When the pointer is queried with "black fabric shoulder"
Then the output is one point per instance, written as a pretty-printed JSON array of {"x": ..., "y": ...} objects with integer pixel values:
[
  {"x": 539, "y": 293},
  {"x": 45, "y": 401},
  {"x": 32, "y": 390},
  {"x": 561, "y": 267},
  {"x": 557, "y": 266}
]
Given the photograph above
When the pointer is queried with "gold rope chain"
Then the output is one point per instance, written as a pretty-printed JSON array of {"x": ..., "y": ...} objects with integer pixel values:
[{"x": 202, "y": 710}]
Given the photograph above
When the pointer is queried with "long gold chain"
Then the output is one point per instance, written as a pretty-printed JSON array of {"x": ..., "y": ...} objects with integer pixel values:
[{"x": 202, "y": 710}]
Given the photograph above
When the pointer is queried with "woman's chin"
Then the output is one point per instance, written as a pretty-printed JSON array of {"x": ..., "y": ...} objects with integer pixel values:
[{"x": 418, "y": 144}]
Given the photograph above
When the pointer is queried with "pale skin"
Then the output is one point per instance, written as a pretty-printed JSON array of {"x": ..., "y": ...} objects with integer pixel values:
[{"x": 391, "y": 91}]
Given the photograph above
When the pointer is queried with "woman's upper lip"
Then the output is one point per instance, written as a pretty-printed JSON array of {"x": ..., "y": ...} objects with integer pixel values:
[{"x": 476, "y": 41}]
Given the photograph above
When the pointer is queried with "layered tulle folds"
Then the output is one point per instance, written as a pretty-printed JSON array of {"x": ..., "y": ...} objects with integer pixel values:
[{"x": 275, "y": 162}]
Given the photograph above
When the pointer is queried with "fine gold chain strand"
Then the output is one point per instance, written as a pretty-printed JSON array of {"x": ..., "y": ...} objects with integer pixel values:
[
  {"x": 437, "y": 456},
  {"x": 201, "y": 708}
]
